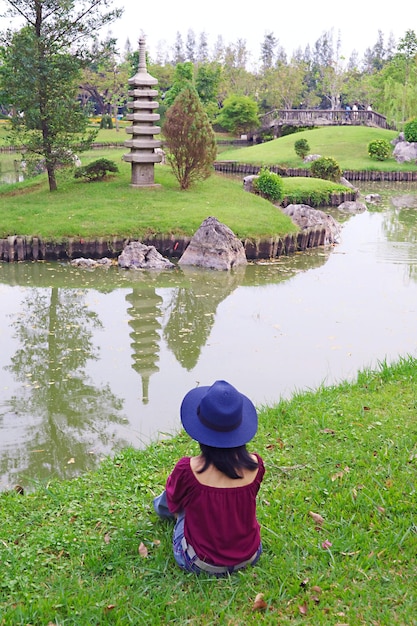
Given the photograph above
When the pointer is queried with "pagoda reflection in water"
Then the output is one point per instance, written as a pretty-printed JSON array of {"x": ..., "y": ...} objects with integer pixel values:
[{"x": 145, "y": 313}]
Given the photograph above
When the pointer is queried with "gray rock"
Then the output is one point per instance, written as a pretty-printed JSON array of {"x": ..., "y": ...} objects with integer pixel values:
[
  {"x": 307, "y": 217},
  {"x": 373, "y": 198},
  {"x": 91, "y": 263},
  {"x": 352, "y": 206},
  {"x": 405, "y": 151},
  {"x": 344, "y": 181},
  {"x": 248, "y": 183},
  {"x": 407, "y": 201},
  {"x": 311, "y": 157},
  {"x": 163, "y": 155},
  {"x": 214, "y": 246},
  {"x": 397, "y": 139},
  {"x": 137, "y": 255}
]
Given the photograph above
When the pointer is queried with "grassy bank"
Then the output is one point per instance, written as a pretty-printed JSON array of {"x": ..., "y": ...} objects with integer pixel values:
[
  {"x": 92, "y": 551},
  {"x": 113, "y": 208},
  {"x": 348, "y": 145}
]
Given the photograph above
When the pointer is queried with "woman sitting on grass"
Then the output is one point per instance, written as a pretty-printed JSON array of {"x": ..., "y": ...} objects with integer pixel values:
[{"x": 212, "y": 496}]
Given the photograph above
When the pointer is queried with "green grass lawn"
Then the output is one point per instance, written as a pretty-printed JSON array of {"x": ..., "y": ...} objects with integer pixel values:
[
  {"x": 69, "y": 552},
  {"x": 114, "y": 208},
  {"x": 348, "y": 145},
  {"x": 337, "y": 513}
]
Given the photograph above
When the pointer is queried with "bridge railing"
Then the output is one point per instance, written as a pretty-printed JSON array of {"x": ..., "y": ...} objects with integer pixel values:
[{"x": 322, "y": 117}]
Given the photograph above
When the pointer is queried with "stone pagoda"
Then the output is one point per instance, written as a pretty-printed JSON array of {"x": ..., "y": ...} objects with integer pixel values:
[{"x": 142, "y": 144}]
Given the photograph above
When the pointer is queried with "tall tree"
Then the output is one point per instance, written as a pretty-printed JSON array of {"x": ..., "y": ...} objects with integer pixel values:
[
  {"x": 404, "y": 67},
  {"x": 190, "y": 46},
  {"x": 202, "y": 51},
  {"x": 106, "y": 79},
  {"x": 328, "y": 70},
  {"x": 207, "y": 84},
  {"x": 268, "y": 48},
  {"x": 183, "y": 77},
  {"x": 376, "y": 57},
  {"x": 189, "y": 138},
  {"x": 178, "y": 50},
  {"x": 40, "y": 72},
  {"x": 239, "y": 114},
  {"x": 236, "y": 79}
]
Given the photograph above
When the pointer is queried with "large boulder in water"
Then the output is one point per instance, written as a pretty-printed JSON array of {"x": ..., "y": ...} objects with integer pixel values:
[
  {"x": 352, "y": 206},
  {"x": 214, "y": 246},
  {"x": 137, "y": 255},
  {"x": 307, "y": 217}
]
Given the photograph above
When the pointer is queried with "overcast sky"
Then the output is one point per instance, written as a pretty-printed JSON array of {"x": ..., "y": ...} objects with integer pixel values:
[{"x": 295, "y": 23}]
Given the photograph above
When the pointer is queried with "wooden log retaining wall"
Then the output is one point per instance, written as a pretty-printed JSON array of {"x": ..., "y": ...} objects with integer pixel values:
[
  {"x": 334, "y": 200},
  {"x": 233, "y": 167},
  {"x": 16, "y": 248}
]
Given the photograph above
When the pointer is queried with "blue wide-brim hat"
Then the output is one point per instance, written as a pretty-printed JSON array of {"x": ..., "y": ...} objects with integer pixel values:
[{"x": 219, "y": 416}]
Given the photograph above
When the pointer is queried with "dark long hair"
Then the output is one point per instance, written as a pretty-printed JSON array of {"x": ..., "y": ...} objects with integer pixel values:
[{"x": 227, "y": 460}]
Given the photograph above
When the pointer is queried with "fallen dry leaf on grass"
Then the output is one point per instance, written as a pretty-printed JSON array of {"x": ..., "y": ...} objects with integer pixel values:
[
  {"x": 143, "y": 550},
  {"x": 107, "y": 538},
  {"x": 259, "y": 603},
  {"x": 303, "y": 608},
  {"x": 318, "y": 519}
]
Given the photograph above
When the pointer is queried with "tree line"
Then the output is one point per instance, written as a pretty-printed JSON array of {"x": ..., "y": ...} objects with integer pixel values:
[
  {"x": 55, "y": 72},
  {"x": 317, "y": 76}
]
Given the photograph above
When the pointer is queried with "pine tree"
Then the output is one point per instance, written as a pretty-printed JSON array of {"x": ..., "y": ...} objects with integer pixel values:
[{"x": 189, "y": 138}]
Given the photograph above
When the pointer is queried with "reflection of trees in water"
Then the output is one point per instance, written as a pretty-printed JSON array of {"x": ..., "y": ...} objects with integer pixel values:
[
  {"x": 59, "y": 415},
  {"x": 144, "y": 312},
  {"x": 193, "y": 308},
  {"x": 400, "y": 228}
]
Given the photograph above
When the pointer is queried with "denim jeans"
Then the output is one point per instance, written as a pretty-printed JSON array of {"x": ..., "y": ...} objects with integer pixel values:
[{"x": 181, "y": 557}]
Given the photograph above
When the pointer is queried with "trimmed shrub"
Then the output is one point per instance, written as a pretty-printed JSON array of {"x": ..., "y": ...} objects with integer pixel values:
[
  {"x": 269, "y": 185},
  {"x": 106, "y": 122},
  {"x": 96, "y": 170},
  {"x": 326, "y": 168},
  {"x": 410, "y": 130},
  {"x": 301, "y": 148},
  {"x": 379, "y": 149}
]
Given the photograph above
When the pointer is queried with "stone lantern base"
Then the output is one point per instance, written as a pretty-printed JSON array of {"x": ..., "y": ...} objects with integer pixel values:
[{"x": 143, "y": 175}]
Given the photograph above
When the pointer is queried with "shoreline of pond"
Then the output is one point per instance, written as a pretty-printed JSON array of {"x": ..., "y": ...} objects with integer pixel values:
[
  {"x": 22, "y": 248},
  {"x": 19, "y": 248}
]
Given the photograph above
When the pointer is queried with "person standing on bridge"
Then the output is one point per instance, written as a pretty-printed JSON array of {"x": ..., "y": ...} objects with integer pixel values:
[{"x": 347, "y": 116}]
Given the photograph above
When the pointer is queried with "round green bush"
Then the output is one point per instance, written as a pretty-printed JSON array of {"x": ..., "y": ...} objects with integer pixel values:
[
  {"x": 301, "y": 148},
  {"x": 410, "y": 130},
  {"x": 106, "y": 122},
  {"x": 379, "y": 149},
  {"x": 97, "y": 170},
  {"x": 326, "y": 168},
  {"x": 269, "y": 185}
]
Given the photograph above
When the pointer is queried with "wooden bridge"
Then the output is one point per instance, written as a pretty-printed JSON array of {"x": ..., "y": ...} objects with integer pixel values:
[{"x": 274, "y": 120}]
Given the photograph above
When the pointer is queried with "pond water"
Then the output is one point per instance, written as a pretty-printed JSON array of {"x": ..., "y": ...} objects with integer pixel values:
[
  {"x": 93, "y": 360},
  {"x": 10, "y": 170}
]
